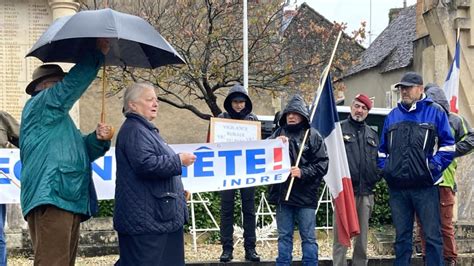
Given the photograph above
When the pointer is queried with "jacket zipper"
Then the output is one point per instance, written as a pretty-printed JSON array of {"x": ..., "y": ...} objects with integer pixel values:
[
  {"x": 391, "y": 138},
  {"x": 426, "y": 139},
  {"x": 424, "y": 146}
]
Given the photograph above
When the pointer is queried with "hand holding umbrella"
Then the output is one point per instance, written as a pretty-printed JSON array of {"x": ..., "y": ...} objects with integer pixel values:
[
  {"x": 104, "y": 131},
  {"x": 126, "y": 40}
]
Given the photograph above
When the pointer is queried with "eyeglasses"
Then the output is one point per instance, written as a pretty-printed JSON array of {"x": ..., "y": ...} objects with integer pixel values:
[{"x": 405, "y": 87}]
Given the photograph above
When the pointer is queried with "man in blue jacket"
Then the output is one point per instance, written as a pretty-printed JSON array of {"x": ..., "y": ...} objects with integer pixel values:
[
  {"x": 57, "y": 191},
  {"x": 415, "y": 147}
]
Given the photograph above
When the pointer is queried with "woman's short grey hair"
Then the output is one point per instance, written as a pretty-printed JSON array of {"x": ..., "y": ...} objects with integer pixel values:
[{"x": 133, "y": 92}]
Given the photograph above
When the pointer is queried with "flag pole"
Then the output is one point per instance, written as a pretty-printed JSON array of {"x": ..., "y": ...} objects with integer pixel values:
[
  {"x": 11, "y": 179},
  {"x": 245, "y": 47},
  {"x": 313, "y": 110}
]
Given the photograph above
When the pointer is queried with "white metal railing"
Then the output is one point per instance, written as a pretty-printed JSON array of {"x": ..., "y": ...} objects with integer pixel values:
[{"x": 265, "y": 231}]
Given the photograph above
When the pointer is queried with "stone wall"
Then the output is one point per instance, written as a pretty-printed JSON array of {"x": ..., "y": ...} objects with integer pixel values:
[{"x": 22, "y": 24}]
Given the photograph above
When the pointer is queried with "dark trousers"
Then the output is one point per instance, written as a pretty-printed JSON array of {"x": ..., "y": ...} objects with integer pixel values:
[
  {"x": 55, "y": 235},
  {"x": 3, "y": 243},
  {"x": 424, "y": 202},
  {"x": 152, "y": 249},
  {"x": 227, "y": 217}
]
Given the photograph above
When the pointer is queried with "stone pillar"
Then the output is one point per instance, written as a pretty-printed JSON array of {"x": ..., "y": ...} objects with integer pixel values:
[
  {"x": 15, "y": 221},
  {"x": 441, "y": 19},
  {"x": 435, "y": 64},
  {"x": 62, "y": 8}
]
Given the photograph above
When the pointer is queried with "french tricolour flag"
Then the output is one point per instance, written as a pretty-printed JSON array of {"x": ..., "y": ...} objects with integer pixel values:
[
  {"x": 451, "y": 85},
  {"x": 338, "y": 178}
]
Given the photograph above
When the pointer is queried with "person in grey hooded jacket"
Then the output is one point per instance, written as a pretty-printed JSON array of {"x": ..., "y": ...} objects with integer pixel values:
[
  {"x": 238, "y": 106},
  {"x": 464, "y": 139}
]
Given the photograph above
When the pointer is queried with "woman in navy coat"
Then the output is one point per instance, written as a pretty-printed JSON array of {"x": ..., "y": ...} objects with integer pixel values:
[{"x": 150, "y": 205}]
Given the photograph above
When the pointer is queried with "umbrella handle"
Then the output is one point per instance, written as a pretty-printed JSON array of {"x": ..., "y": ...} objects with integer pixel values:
[{"x": 102, "y": 114}]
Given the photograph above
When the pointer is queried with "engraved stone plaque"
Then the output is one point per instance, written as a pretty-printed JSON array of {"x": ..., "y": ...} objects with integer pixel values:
[
  {"x": 21, "y": 23},
  {"x": 465, "y": 186}
]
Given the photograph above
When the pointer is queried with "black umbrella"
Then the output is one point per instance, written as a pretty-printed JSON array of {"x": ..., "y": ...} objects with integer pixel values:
[{"x": 134, "y": 42}]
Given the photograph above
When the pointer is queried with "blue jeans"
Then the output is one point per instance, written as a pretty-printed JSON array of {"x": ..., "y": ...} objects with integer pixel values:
[
  {"x": 286, "y": 216},
  {"x": 425, "y": 203},
  {"x": 3, "y": 243}
]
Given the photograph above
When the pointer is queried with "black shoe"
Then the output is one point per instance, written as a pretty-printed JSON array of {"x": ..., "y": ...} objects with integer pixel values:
[
  {"x": 251, "y": 255},
  {"x": 418, "y": 250},
  {"x": 226, "y": 256}
]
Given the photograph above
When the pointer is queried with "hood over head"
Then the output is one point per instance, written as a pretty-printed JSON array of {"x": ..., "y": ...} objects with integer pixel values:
[
  {"x": 296, "y": 105},
  {"x": 240, "y": 93},
  {"x": 437, "y": 94}
]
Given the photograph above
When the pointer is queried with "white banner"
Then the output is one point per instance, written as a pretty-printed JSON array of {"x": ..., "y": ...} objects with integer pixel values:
[{"x": 218, "y": 166}]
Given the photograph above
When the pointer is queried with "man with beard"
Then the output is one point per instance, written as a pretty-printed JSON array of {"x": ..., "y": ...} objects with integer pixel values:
[
  {"x": 361, "y": 143},
  {"x": 415, "y": 148},
  {"x": 303, "y": 200},
  {"x": 238, "y": 106}
]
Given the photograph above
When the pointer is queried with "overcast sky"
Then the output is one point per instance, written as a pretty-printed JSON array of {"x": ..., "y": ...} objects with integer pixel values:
[{"x": 355, "y": 11}]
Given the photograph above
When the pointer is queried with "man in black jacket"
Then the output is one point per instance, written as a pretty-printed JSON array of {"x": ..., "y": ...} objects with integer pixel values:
[
  {"x": 361, "y": 143},
  {"x": 303, "y": 200}
]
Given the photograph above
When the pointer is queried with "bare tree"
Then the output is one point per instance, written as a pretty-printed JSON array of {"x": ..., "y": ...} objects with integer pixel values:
[{"x": 208, "y": 35}]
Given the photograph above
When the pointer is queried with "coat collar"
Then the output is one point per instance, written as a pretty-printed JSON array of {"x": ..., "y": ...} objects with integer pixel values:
[
  {"x": 418, "y": 105},
  {"x": 142, "y": 120}
]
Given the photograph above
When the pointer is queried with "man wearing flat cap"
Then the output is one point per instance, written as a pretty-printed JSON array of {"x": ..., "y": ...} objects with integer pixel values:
[
  {"x": 361, "y": 143},
  {"x": 415, "y": 148},
  {"x": 57, "y": 191},
  {"x": 238, "y": 105}
]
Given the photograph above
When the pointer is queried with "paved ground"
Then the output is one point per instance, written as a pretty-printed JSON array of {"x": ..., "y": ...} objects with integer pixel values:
[{"x": 209, "y": 252}]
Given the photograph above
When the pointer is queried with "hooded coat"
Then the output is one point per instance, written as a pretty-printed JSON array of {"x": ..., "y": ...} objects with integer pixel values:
[
  {"x": 313, "y": 164},
  {"x": 246, "y": 114},
  {"x": 461, "y": 130},
  {"x": 56, "y": 158}
]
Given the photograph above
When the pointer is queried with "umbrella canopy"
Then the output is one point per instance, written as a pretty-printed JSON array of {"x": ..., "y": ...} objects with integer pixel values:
[{"x": 134, "y": 42}]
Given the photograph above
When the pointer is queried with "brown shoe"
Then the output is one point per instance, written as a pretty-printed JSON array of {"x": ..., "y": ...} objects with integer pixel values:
[{"x": 450, "y": 262}]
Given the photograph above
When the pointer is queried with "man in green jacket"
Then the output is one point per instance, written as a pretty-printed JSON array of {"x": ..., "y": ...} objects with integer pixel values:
[{"x": 57, "y": 189}]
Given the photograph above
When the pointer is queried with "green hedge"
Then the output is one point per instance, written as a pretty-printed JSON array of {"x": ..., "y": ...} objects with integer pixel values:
[{"x": 380, "y": 216}]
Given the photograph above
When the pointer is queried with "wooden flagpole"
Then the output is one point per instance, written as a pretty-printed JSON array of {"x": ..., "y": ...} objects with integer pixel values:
[
  {"x": 316, "y": 102},
  {"x": 11, "y": 179}
]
